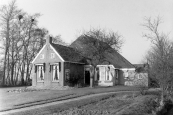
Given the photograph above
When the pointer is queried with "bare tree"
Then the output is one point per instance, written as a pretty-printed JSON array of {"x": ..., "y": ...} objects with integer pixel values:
[
  {"x": 160, "y": 57},
  {"x": 58, "y": 40},
  {"x": 7, "y": 14},
  {"x": 113, "y": 39},
  {"x": 22, "y": 40},
  {"x": 96, "y": 43}
]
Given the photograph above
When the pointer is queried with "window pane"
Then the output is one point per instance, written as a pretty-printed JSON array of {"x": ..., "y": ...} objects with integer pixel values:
[
  {"x": 55, "y": 73},
  {"x": 40, "y": 73}
]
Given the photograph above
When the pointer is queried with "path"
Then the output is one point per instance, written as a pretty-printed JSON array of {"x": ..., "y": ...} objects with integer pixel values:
[{"x": 59, "y": 102}]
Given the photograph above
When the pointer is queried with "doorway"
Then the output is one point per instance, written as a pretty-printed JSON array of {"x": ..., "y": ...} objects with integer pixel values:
[{"x": 87, "y": 78}]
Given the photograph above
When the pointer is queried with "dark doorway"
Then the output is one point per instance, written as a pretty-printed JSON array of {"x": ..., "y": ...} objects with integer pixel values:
[{"x": 87, "y": 78}]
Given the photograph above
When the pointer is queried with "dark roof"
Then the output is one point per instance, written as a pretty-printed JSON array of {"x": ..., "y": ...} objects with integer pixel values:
[
  {"x": 111, "y": 56},
  {"x": 68, "y": 53}
]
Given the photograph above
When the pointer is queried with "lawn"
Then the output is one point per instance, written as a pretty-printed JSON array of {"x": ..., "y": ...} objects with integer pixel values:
[
  {"x": 110, "y": 104},
  {"x": 11, "y": 100}
]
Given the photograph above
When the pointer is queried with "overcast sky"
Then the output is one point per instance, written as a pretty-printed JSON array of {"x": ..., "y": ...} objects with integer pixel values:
[{"x": 69, "y": 17}]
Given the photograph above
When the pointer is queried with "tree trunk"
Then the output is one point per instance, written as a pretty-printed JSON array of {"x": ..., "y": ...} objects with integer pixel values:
[
  {"x": 12, "y": 63},
  {"x": 92, "y": 73},
  {"x": 27, "y": 73},
  {"x": 12, "y": 72},
  {"x": 4, "y": 68},
  {"x": 6, "y": 51},
  {"x": 22, "y": 74},
  {"x": 8, "y": 64}
]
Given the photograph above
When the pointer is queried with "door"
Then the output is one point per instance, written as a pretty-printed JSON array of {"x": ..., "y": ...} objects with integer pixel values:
[{"x": 87, "y": 78}]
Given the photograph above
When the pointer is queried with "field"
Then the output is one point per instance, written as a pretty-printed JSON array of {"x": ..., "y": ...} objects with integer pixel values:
[
  {"x": 11, "y": 100},
  {"x": 111, "y": 104}
]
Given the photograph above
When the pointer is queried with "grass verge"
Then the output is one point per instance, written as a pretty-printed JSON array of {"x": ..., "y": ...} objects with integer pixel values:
[{"x": 59, "y": 108}]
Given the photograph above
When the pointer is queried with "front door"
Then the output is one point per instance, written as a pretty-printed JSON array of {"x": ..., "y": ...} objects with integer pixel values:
[{"x": 87, "y": 78}]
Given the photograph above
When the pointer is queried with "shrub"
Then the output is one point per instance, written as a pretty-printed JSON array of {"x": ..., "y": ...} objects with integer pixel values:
[{"x": 74, "y": 80}]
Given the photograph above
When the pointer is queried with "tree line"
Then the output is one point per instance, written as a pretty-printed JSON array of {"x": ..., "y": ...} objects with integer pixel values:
[
  {"x": 160, "y": 58},
  {"x": 21, "y": 39}
]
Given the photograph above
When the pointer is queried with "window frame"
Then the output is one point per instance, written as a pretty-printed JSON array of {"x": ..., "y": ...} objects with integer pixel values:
[
  {"x": 101, "y": 78},
  {"x": 140, "y": 77},
  {"x": 38, "y": 74},
  {"x": 41, "y": 56},
  {"x": 52, "y": 55},
  {"x": 67, "y": 74},
  {"x": 52, "y": 72}
]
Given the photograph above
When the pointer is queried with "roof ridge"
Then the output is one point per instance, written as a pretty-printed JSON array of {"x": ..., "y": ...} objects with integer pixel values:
[
  {"x": 114, "y": 56},
  {"x": 68, "y": 53}
]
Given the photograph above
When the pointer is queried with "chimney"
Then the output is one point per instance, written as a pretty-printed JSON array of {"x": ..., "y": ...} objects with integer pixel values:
[{"x": 48, "y": 39}]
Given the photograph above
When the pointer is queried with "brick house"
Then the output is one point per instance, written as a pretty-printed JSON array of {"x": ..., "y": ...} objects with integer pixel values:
[
  {"x": 55, "y": 64},
  {"x": 112, "y": 70}
]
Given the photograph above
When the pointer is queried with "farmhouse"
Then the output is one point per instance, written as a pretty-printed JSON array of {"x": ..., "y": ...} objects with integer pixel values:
[{"x": 55, "y": 65}]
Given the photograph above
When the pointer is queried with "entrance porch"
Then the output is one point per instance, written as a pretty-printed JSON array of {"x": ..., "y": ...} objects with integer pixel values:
[{"x": 105, "y": 75}]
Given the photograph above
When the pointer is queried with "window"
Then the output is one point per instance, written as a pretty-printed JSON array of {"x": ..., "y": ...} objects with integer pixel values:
[
  {"x": 52, "y": 55},
  {"x": 67, "y": 74},
  {"x": 110, "y": 75},
  {"x": 102, "y": 73},
  {"x": 40, "y": 73},
  {"x": 55, "y": 72},
  {"x": 126, "y": 74},
  {"x": 42, "y": 56},
  {"x": 139, "y": 76}
]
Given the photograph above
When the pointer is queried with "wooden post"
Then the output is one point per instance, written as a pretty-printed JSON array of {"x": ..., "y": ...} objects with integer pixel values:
[{"x": 92, "y": 72}]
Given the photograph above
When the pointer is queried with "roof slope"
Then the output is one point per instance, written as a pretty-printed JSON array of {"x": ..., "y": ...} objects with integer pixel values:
[
  {"x": 111, "y": 55},
  {"x": 68, "y": 53}
]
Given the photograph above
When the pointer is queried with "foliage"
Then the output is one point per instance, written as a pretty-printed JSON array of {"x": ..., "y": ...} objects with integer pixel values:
[
  {"x": 113, "y": 39},
  {"x": 160, "y": 57},
  {"x": 58, "y": 40},
  {"x": 75, "y": 80},
  {"x": 22, "y": 39}
]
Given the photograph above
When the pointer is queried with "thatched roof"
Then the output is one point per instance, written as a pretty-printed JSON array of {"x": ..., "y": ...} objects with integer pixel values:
[
  {"x": 68, "y": 53},
  {"x": 84, "y": 45}
]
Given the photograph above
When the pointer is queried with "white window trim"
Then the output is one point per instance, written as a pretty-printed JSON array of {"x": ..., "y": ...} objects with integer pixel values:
[
  {"x": 112, "y": 66},
  {"x": 57, "y": 73},
  {"x": 52, "y": 55},
  {"x": 106, "y": 72},
  {"x": 125, "y": 69},
  {"x": 106, "y": 78},
  {"x": 37, "y": 73},
  {"x": 41, "y": 56},
  {"x": 100, "y": 74},
  {"x": 39, "y": 64}
]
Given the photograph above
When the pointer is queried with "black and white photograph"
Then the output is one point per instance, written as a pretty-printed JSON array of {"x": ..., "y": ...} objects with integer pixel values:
[{"x": 86, "y": 57}]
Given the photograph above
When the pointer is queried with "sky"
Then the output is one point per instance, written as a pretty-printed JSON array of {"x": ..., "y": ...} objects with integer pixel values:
[{"x": 69, "y": 18}]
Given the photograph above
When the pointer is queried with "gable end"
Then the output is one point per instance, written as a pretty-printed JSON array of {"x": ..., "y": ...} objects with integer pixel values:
[
  {"x": 38, "y": 53},
  {"x": 56, "y": 52}
]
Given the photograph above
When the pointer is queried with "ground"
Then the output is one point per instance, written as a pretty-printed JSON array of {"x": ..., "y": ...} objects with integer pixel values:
[
  {"x": 116, "y": 105},
  {"x": 110, "y": 103},
  {"x": 10, "y": 99}
]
